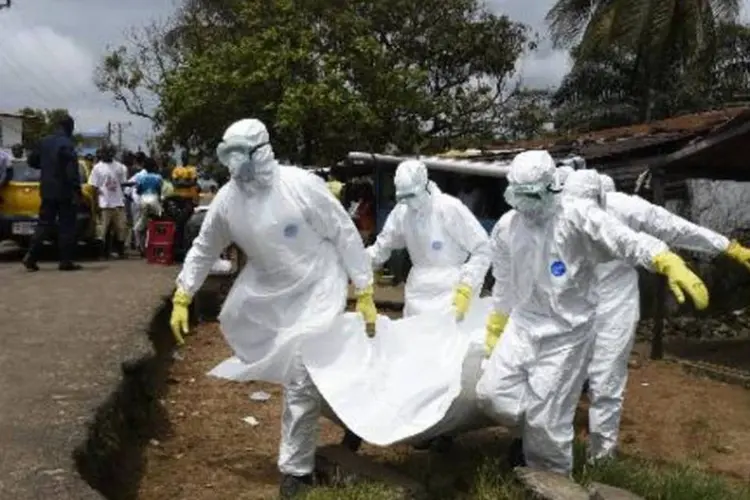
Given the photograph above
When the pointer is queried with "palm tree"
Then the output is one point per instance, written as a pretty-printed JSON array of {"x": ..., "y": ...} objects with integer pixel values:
[{"x": 668, "y": 37}]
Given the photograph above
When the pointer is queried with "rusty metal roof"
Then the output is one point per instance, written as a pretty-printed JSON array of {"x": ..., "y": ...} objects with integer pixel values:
[
  {"x": 719, "y": 154},
  {"x": 626, "y": 152},
  {"x": 619, "y": 137}
]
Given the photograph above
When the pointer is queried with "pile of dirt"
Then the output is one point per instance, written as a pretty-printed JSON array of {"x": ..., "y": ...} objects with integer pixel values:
[{"x": 213, "y": 452}]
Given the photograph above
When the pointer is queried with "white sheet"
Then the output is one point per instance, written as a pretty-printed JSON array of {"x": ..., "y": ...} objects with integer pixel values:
[{"x": 395, "y": 386}]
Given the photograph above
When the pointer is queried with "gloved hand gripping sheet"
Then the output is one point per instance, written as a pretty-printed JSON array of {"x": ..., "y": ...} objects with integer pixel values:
[{"x": 414, "y": 380}]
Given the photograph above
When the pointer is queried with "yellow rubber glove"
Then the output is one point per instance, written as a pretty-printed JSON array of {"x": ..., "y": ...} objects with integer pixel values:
[
  {"x": 366, "y": 307},
  {"x": 462, "y": 301},
  {"x": 495, "y": 326},
  {"x": 739, "y": 253},
  {"x": 179, "y": 320},
  {"x": 681, "y": 279}
]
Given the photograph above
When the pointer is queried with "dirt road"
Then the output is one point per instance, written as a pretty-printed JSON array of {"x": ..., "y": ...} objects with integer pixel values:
[
  {"x": 63, "y": 337},
  {"x": 212, "y": 453}
]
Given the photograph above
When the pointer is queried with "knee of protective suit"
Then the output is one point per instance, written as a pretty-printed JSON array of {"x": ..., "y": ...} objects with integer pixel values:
[
  {"x": 505, "y": 409},
  {"x": 548, "y": 441},
  {"x": 300, "y": 387}
]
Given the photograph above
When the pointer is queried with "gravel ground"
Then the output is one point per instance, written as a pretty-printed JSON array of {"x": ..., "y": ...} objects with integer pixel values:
[{"x": 64, "y": 336}]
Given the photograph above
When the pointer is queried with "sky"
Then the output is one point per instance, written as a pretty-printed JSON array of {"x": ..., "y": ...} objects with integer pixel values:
[{"x": 49, "y": 49}]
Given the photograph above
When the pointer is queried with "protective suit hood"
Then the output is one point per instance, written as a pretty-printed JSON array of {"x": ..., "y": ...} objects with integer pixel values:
[
  {"x": 246, "y": 151},
  {"x": 587, "y": 185},
  {"x": 413, "y": 187},
  {"x": 608, "y": 183},
  {"x": 532, "y": 185},
  {"x": 562, "y": 174}
]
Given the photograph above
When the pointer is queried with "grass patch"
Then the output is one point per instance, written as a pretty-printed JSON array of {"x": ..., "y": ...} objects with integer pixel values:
[
  {"x": 487, "y": 478},
  {"x": 367, "y": 491},
  {"x": 665, "y": 482}
]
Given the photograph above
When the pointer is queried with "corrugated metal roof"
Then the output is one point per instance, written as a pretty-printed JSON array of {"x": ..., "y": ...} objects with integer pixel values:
[
  {"x": 623, "y": 152},
  {"x": 671, "y": 127},
  {"x": 719, "y": 154}
]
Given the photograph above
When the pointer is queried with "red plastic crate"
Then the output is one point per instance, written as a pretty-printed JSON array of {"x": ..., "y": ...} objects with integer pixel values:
[
  {"x": 158, "y": 253},
  {"x": 160, "y": 232}
]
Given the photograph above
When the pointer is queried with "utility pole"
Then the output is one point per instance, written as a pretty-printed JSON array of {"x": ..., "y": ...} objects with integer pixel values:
[
  {"x": 119, "y": 136},
  {"x": 109, "y": 131}
]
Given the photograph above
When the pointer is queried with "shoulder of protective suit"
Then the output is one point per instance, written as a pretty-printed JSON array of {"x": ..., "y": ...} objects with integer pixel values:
[
  {"x": 503, "y": 224},
  {"x": 447, "y": 201},
  {"x": 225, "y": 195},
  {"x": 575, "y": 210},
  {"x": 299, "y": 175},
  {"x": 398, "y": 212}
]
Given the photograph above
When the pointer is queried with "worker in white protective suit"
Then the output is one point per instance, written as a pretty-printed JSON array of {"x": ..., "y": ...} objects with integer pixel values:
[
  {"x": 544, "y": 257},
  {"x": 301, "y": 248},
  {"x": 561, "y": 174},
  {"x": 448, "y": 247},
  {"x": 618, "y": 309}
]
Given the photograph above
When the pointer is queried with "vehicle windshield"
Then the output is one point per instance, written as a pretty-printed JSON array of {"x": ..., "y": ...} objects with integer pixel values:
[{"x": 22, "y": 172}]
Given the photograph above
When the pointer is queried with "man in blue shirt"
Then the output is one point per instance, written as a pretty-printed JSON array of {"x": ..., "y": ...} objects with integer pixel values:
[{"x": 148, "y": 187}]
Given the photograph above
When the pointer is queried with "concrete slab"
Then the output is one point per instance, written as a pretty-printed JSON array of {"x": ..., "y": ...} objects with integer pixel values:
[
  {"x": 338, "y": 466},
  {"x": 601, "y": 491},
  {"x": 550, "y": 486},
  {"x": 63, "y": 338}
]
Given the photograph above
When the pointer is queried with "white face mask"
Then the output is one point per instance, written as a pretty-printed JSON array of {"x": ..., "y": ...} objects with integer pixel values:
[
  {"x": 249, "y": 173},
  {"x": 264, "y": 173},
  {"x": 536, "y": 203},
  {"x": 416, "y": 202}
]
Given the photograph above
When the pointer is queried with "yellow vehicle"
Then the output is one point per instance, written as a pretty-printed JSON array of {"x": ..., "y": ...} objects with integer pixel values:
[{"x": 20, "y": 201}]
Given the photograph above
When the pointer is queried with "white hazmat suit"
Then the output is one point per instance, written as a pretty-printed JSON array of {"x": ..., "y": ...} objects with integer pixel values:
[
  {"x": 448, "y": 247},
  {"x": 301, "y": 248},
  {"x": 618, "y": 310},
  {"x": 545, "y": 253},
  {"x": 561, "y": 174}
]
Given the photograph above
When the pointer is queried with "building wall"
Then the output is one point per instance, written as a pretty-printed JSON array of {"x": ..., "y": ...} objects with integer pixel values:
[
  {"x": 723, "y": 206},
  {"x": 11, "y": 129}
]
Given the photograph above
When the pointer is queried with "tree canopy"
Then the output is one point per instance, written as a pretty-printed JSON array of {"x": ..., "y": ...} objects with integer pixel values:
[
  {"x": 326, "y": 77},
  {"x": 661, "y": 39},
  {"x": 329, "y": 77},
  {"x": 602, "y": 88},
  {"x": 38, "y": 123}
]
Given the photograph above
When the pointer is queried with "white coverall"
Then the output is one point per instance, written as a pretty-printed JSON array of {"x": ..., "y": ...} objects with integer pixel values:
[
  {"x": 561, "y": 175},
  {"x": 301, "y": 247},
  {"x": 618, "y": 310},
  {"x": 447, "y": 245},
  {"x": 544, "y": 258}
]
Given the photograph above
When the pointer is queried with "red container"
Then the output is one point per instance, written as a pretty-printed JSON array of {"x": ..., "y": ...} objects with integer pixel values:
[
  {"x": 160, "y": 232},
  {"x": 157, "y": 253}
]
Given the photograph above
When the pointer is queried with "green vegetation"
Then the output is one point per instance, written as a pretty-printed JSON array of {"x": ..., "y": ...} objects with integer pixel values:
[
  {"x": 420, "y": 75},
  {"x": 477, "y": 478}
]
